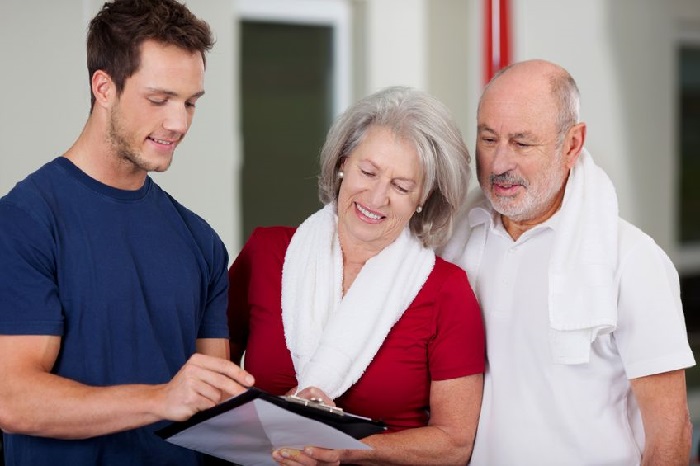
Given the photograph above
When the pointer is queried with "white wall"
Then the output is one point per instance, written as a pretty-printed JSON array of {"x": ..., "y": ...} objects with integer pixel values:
[
  {"x": 44, "y": 83},
  {"x": 453, "y": 62},
  {"x": 396, "y": 43}
]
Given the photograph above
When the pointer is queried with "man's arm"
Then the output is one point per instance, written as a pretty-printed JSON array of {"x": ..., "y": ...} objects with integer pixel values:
[
  {"x": 36, "y": 402},
  {"x": 217, "y": 347},
  {"x": 663, "y": 403}
]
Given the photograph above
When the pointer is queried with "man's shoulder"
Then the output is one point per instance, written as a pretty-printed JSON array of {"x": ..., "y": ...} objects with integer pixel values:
[
  {"x": 189, "y": 216},
  {"x": 184, "y": 219},
  {"x": 475, "y": 209},
  {"x": 634, "y": 245},
  {"x": 34, "y": 181},
  {"x": 32, "y": 194},
  {"x": 631, "y": 236}
]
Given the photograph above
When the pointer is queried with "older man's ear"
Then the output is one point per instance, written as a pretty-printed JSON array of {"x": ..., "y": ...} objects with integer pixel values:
[{"x": 573, "y": 143}]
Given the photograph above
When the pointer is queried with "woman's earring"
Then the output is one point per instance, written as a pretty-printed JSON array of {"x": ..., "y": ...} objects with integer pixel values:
[
  {"x": 419, "y": 209},
  {"x": 341, "y": 174}
]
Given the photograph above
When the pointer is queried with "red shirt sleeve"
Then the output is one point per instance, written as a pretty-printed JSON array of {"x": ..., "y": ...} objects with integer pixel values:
[{"x": 458, "y": 347}]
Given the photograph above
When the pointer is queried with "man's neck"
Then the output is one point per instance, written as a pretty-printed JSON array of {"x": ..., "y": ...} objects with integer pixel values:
[{"x": 92, "y": 154}]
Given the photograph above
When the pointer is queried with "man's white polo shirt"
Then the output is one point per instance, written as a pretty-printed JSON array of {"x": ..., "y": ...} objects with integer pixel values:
[{"x": 535, "y": 412}]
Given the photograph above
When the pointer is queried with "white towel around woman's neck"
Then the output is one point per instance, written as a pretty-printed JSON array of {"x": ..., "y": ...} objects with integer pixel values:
[{"x": 333, "y": 338}]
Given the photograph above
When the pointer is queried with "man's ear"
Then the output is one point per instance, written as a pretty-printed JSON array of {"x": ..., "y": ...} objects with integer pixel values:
[
  {"x": 102, "y": 87},
  {"x": 573, "y": 143}
]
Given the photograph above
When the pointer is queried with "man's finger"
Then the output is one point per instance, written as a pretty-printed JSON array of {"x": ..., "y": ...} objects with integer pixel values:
[{"x": 225, "y": 367}]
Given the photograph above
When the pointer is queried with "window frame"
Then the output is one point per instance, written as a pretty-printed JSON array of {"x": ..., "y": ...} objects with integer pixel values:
[
  {"x": 687, "y": 259},
  {"x": 333, "y": 13}
]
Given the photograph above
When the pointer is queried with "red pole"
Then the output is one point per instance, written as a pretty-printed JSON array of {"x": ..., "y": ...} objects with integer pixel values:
[
  {"x": 494, "y": 63},
  {"x": 488, "y": 40},
  {"x": 504, "y": 33}
]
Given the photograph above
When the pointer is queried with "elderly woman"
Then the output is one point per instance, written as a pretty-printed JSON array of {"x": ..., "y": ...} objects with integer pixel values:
[{"x": 354, "y": 307}]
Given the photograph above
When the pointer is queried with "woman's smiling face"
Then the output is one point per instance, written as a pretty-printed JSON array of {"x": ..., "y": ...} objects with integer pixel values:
[{"x": 380, "y": 191}]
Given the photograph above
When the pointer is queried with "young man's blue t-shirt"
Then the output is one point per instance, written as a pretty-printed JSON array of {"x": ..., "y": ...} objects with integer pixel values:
[{"x": 128, "y": 279}]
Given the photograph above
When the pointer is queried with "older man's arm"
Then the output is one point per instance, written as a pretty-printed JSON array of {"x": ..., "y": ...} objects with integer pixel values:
[{"x": 663, "y": 403}]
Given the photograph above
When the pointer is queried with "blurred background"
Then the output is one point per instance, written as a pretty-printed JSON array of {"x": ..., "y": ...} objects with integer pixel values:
[{"x": 283, "y": 69}]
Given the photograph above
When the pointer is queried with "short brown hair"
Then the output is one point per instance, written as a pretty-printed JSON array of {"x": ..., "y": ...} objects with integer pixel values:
[{"x": 116, "y": 33}]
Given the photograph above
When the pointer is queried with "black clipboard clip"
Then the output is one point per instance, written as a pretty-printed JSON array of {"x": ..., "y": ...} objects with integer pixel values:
[{"x": 314, "y": 403}]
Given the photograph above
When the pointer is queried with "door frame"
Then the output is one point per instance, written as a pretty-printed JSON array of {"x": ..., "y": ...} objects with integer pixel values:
[
  {"x": 687, "y": 259},
  {"x": 333, "y": 13}
]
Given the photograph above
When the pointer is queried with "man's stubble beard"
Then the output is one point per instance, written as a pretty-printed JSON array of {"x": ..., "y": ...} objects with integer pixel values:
[
  {"x": 123, "y": 147},
  {"x": 534, "y": 200}
]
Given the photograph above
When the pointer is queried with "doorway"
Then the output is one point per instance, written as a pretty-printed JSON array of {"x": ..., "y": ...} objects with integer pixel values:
[{"x": 293, "y": 82}]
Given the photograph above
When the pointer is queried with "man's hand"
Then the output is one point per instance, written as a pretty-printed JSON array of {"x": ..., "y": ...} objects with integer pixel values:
[{"x": 201, "y": 383}]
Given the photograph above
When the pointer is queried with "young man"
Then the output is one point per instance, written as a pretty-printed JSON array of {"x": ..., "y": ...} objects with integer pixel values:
[
  {"x": 112, "y": 294},
  {"x": 586, "y": 341}
]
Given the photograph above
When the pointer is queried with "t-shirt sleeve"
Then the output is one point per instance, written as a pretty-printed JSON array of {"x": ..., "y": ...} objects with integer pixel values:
[
  {"x": 651, "y": 335},
  {"x": 458, "y": 348},
  {"x": 214, "y": 324},
  {"x": 29, "y": 299}
]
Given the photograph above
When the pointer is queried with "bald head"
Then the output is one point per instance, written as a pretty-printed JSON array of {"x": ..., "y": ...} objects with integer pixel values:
[{"x": 539, "y": 83}]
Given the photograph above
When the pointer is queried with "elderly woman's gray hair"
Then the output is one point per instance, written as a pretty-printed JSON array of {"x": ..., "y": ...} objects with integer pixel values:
[{"x": 425, "y": 122}]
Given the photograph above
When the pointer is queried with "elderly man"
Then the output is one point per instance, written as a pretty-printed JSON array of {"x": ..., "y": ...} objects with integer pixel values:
[{"x": 586, "y": 341}]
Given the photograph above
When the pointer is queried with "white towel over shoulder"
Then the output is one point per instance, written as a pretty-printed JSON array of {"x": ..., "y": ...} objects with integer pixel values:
[
  {"x": 582, "y": 294},
  {"x": 332, "y": 339}
]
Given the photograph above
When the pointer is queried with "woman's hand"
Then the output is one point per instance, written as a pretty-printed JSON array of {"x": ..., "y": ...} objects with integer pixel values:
[
  {"x": 309, "y": 456},
  {"x": 315, "y": 394}
]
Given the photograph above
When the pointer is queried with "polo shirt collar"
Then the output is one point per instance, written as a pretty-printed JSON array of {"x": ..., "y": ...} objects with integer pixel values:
[{"x": 484, "y": 214}]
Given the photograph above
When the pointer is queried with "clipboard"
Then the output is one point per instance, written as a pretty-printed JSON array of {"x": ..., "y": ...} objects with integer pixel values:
[{"x": 246, "y": 429}]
